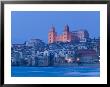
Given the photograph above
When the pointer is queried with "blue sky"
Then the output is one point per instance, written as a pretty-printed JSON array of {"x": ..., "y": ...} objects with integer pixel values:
[{"x": 36, "y": 24}]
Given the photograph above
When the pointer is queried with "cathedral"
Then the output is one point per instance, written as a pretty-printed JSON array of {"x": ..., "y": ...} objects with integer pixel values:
[{"x": 67, "y": 35}]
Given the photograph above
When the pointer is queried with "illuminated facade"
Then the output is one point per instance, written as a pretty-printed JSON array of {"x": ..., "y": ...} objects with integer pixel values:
[{"x": 67, "y": 36}]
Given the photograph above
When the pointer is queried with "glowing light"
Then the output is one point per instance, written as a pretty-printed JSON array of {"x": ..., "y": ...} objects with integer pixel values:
[
  {"x": 68, "y": 60},
  {"x": 78, "y": 59}
]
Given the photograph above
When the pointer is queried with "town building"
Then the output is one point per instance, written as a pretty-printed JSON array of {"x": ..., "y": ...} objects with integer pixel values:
[
  {"x": 87, "y": 56},
  {"x": 67, "y": 35}
]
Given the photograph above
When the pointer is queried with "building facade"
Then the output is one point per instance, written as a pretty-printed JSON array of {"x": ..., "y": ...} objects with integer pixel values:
[
  {"x": 67, "y": 35},
  {"x": 87, "y": 56}
]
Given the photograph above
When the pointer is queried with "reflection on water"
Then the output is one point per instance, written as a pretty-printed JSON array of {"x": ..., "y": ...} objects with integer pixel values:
[{"x": 55, "y": 72}]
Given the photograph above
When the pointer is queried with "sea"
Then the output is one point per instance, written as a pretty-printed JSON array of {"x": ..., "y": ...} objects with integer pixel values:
[{"x": 69, "y": 71}]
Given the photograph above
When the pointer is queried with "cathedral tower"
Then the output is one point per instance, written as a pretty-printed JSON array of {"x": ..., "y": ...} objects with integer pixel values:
[
  {"x": 66, "y": 34},
  {"x": 52, "y": 35}
]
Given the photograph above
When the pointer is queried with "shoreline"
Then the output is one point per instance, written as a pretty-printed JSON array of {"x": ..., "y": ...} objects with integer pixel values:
[{"x": 65, "y": 65}]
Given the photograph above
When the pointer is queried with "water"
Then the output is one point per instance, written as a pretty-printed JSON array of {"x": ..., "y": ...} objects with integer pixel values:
[{"x": 55, "y": 71}]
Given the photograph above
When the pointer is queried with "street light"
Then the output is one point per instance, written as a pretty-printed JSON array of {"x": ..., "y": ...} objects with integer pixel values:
[{"x": 78, "y": 59}]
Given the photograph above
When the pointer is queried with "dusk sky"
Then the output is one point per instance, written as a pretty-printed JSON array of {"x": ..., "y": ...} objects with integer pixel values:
[{"x": 26, "y": 25}]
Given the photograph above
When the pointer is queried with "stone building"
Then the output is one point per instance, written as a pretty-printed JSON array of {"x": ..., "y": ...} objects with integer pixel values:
[
  {"x": 67, "y": 35},
  {"x": 87, "y": 56}
]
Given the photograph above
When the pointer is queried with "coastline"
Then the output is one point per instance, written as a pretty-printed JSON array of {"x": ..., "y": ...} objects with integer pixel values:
[{"x": 68, "y": 65}]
